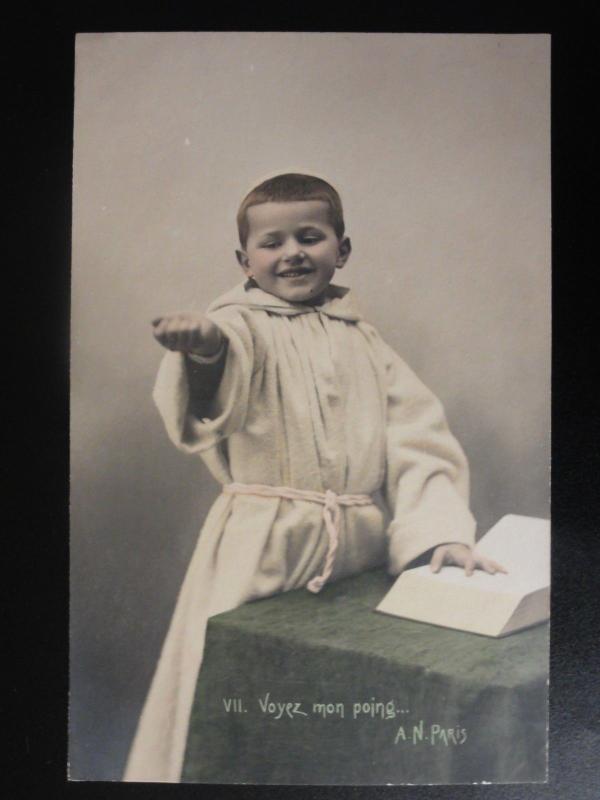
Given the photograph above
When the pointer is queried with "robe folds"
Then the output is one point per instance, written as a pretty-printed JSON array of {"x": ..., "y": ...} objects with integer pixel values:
[{"x": 310, "y": 398}]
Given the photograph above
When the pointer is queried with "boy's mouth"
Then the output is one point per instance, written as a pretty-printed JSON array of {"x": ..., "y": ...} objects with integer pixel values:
[{"x": 294, "y": 272}]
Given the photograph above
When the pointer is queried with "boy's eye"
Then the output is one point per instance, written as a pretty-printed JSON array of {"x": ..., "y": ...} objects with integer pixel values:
[
  {"x": 310, "y": 239},
  {"x": 271, "y": 244}
]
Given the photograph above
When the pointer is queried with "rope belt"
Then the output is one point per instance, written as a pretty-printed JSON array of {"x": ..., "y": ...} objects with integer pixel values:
[{"x": 331, "y": 503}]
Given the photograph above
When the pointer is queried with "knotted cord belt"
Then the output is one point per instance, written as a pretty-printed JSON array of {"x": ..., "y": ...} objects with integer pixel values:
[{"x": 331, "y": 503}]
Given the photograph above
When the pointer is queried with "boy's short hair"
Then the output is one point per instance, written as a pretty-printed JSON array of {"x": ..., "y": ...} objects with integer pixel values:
[{"x": 287, "y": 188}]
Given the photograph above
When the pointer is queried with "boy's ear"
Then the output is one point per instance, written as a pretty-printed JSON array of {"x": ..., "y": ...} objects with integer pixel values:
[
  {"x": 243, "y": 261},
  {"x": 344, "y": 250}
]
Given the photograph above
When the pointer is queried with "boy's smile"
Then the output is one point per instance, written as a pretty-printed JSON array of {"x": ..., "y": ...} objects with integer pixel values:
[{"x": 292, "y": 250}]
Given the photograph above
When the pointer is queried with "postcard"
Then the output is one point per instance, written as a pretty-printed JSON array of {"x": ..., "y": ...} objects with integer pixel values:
[{"x": 310, "y": 371}]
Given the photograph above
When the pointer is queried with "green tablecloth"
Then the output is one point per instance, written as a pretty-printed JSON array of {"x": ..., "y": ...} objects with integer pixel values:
[{"x": 373, "y": 699}]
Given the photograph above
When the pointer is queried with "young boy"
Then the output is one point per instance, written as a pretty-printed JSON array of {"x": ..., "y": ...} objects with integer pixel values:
[{"x": 333, "y": 456}]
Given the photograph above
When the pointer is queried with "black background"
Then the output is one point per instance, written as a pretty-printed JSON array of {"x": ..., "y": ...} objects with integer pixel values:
[{"x": 37, "y": 67}]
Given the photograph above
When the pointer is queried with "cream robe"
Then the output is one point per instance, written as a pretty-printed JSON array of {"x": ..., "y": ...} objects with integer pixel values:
[{"x": 310, "y": 398}]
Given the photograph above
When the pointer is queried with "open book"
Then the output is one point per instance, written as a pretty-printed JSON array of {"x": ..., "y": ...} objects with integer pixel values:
[{"x": 493, "y": 605}]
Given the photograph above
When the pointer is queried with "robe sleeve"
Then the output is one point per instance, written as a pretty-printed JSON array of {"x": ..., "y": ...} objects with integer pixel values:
[
  {"x": 427, "y": 475},
  {"x": 228, "y": 408},
  {"x": 204, "y": 377}
]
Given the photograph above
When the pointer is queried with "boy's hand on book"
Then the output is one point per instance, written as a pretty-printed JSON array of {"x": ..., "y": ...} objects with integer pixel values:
[
  {"x": 188, "y": 333},
  {"x": 462, "y": 556}
]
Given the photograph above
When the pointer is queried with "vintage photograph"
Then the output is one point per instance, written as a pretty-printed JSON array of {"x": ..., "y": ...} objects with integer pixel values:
[{"x": 310, "y": 409}]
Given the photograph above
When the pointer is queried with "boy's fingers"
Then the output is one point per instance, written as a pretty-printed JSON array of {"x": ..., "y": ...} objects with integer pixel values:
[
  {"x": 437, "y": 559},
  {"x": 469, "y": 565},
  {"x": 488, "y": 566},
  {"x": 195, "y": 339},
  {"x": 167, "y": 331},
  {"x": 491, "y": 566},
  {"x": 171, "y": 328},
  {"x": 185, "y": 338},
  {"x": 165, "y": 326},
  {"x": 173, "y": 342},
  {"x": 198, "y": 334}
]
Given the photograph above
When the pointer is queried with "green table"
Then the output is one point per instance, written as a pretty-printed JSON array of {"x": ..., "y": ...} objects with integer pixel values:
[{"x": 321, "y": 689}]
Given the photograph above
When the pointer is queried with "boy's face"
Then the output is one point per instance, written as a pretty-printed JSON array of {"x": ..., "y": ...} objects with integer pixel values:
[{"x": 292, "y": 250}]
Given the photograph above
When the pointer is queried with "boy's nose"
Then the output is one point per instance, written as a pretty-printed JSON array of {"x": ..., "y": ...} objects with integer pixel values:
[{"x": 293, "y": 252}]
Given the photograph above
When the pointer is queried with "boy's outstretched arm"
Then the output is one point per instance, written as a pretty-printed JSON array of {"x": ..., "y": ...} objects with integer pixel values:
[{"x": 205, "y": 347}]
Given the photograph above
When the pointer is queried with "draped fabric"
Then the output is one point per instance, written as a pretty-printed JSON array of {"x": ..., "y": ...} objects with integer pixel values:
[{"x": 334, "y": 648}]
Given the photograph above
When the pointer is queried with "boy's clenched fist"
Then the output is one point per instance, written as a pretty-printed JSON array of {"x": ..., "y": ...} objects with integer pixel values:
[{"x": 188, "y": 333}]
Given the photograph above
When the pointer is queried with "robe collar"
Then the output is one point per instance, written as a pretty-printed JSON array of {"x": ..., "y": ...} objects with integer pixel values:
[{"x": 337, "y": 304}]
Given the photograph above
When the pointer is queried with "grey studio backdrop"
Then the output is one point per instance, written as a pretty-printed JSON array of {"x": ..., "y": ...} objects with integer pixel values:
[{"x": 439, "y": 146}]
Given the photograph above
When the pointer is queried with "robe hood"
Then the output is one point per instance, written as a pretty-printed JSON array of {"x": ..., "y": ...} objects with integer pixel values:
[{"x": 338, "y": 303}]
